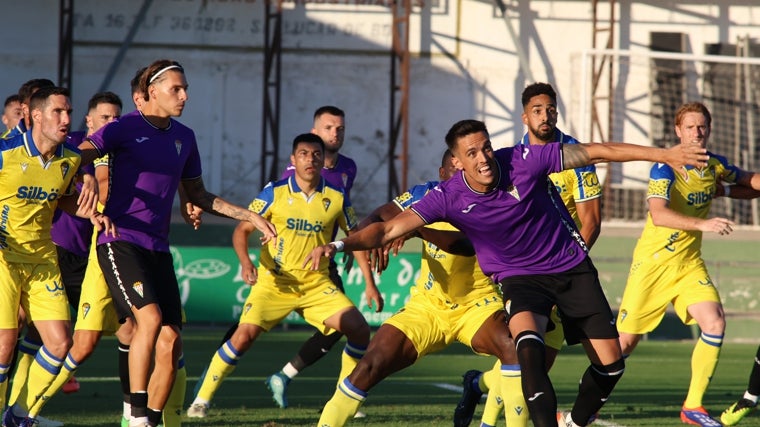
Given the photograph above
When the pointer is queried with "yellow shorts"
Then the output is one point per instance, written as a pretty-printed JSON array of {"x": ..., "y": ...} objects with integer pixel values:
[
  {"x": 37, "y": 288},
  {"x": 555, "y": 337},
  {"x": 432, "y": 325},
  {"x": 316, "y": 298},
  {"x": 96, "y": 311},
  {"x": 652, "y": 287}
]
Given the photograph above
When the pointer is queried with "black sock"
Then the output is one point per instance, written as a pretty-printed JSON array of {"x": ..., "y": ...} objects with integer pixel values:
[
  {"x": 754, "y": 376},
  {"x": 124, "y": 370},
  {"x": 537, "y": 388},
  {"x": 139, "y": 404},
  {"x": 596, "y": 385},
  {"x": 315, "y": 348},
  {"x": 155, "y": 417}
]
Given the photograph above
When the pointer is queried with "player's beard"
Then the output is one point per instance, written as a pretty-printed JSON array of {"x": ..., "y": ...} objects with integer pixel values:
[{"x": 546, "y": 136}]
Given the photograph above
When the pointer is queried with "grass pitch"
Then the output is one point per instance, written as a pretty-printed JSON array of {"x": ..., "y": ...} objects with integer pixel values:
[{"x": 650, "y": 393}]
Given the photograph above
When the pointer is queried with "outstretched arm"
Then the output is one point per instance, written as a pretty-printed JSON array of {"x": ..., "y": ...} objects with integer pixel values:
[
  {"x": 209, "y": 202},
  {"x": 373, "y": 236},
  {"x": 577, "y": 155}
]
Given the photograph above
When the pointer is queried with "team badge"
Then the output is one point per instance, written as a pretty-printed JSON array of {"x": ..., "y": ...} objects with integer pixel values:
[
  {"x": 623, "y": 315},
  {"x": 65, "y": 166},
  {"x": 138, "y": 287},
  {"x": 24, "y": 166},
  {"x": 344, "y": 178},
  {"x": 247, "y": 308},
  {"x": 178, "y": 145},
  {"x": 326, "y": 203},
  {"x": 508, "y": 305},
  {"x": 512, "y": 190},
  {"x": 85, "y": 310}
]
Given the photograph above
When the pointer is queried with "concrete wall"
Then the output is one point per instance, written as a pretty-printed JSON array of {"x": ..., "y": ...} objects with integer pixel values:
[{"x": 465, "y": 66}]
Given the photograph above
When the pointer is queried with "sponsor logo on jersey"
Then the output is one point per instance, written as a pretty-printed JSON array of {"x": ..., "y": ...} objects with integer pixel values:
[
  {"x": 4, "y": 227},
  {"x": 141, "y": 139},
  {"x": 469, "y": 208},
  {"x": 301, "y": 224},
  {"x": 698, "y": 198},
  {"x": 37, "y": 193},
  {"x": 24, "y": 166},
  {"x": 55, "y": 288}
]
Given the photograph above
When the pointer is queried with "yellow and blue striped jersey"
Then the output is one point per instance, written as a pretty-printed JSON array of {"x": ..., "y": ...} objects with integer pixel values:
[
  {"x": 691, "y": 196},
  {"x": 452, "y": 279},
  {"x": 29, "y": 191},
  {"x": 303, "y": 222}
]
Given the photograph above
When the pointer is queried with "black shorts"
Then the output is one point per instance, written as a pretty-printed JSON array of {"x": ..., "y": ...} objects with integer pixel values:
[
  {"x": 137, "y": 277},
  {"x": 577, "y": 293},
  {"x": 72, "y": 268}
]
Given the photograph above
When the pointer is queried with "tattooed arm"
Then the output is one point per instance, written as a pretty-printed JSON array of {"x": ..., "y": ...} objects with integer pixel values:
[
  {"x": 577, "y": 155},
  {"x": 198, "y": 195}
]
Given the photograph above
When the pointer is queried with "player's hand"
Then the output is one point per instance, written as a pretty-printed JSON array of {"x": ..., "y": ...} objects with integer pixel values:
[
  {"x": 683, "y": 155},
  {"x": 102, "y": 222},
  {"x": 316, "y": 254},
  {"x": 250, "y": 274},
  {"x": 374, "y": 298},
  {"x": 87, "y": 201},
  {"x": 266, "y": 227},
  {"x": 722, "y": 226},
  {"x": 192, "y": 215},
  {"x": 378, "y": 259}
]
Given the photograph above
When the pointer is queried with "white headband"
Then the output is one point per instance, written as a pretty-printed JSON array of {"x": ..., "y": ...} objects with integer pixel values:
[{"x": 163, "y": 70}]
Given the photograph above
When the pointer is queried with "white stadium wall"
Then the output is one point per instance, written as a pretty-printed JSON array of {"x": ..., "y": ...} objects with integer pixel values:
[{"x": 465, "y": 65}]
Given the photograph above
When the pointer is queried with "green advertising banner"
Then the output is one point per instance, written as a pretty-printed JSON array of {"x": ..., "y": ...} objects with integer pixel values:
[{"x": 212, "y": 290}]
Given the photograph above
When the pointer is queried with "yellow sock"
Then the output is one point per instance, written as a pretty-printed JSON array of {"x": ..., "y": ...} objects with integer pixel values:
[
  {"x": 27, "y": 349},
  {"x": 67, "y": 371},
  {"x": 704, "y": 359},
  {"x": 350, "y": 358},
  {"x": 490, "y": 379},
  {"x": 490, "y": 383},
  {"x": 222, "y": 364},
  {"x": 515, "y": 408},
  {"x": 176, "y": 401},
  {"x": 42, "y": 373},
  {"x": 3, "y": 383},
  {"x": 342, "y": 406}
]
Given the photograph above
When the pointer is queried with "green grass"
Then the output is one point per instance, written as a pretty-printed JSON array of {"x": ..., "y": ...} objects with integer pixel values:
[{"x": 650, "y": 393}]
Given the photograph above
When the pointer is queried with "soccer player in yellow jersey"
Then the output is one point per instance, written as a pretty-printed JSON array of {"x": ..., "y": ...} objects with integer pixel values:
[
  {"x": 452, "y": 300},
  {"x": 667, "y": 266},
  {"x": 305, "y": 209},
  {"x": 37, "y": 174},
  {"x": 581, "y": 193}
]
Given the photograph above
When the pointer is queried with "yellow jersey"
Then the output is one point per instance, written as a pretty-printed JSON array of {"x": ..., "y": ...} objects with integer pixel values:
[
  {"x": 29, "y": 191},
  {"x": 691, "y": 196},
  {"x": 303, "y": 222}
]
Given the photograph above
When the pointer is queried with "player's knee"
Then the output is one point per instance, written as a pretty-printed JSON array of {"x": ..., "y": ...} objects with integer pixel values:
[
  {"x": 355, "y": 327},
  {"x": 58, "y": 347},
  {"x": 84, "y": 344},
  {"x": 530, "y": 347}
]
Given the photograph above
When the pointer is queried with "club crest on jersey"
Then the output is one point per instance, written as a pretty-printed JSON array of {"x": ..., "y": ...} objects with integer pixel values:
[
  {"x": 65, "y": 166},
  {"x": 344, "y": 178},
  {"x": 178, "y": 145},
  {"x": 623, "y": 315},
  {"x": 85, "y": 310},
  {"x": 24, "y": 166},
  {"x": 326, "y": 203},
  {"x": 138, "y": 287},
  {"x": 247, "y": 308},
  {"x": 512, "y": 190}
]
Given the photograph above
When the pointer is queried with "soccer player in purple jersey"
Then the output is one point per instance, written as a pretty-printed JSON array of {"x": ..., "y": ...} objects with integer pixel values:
[
  {"x": 12, "y": 113},
  {"x": 530, "y": 245},
  {"x": 151, "y": 155}
]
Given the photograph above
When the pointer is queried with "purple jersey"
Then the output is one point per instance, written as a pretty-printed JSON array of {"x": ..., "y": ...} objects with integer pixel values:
[
  {"x": 341, "y": 176},
  {"x": 147, "y": 164},
  {"x": 71, "y": 232},
  {"x": 517, "y": 228}
]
